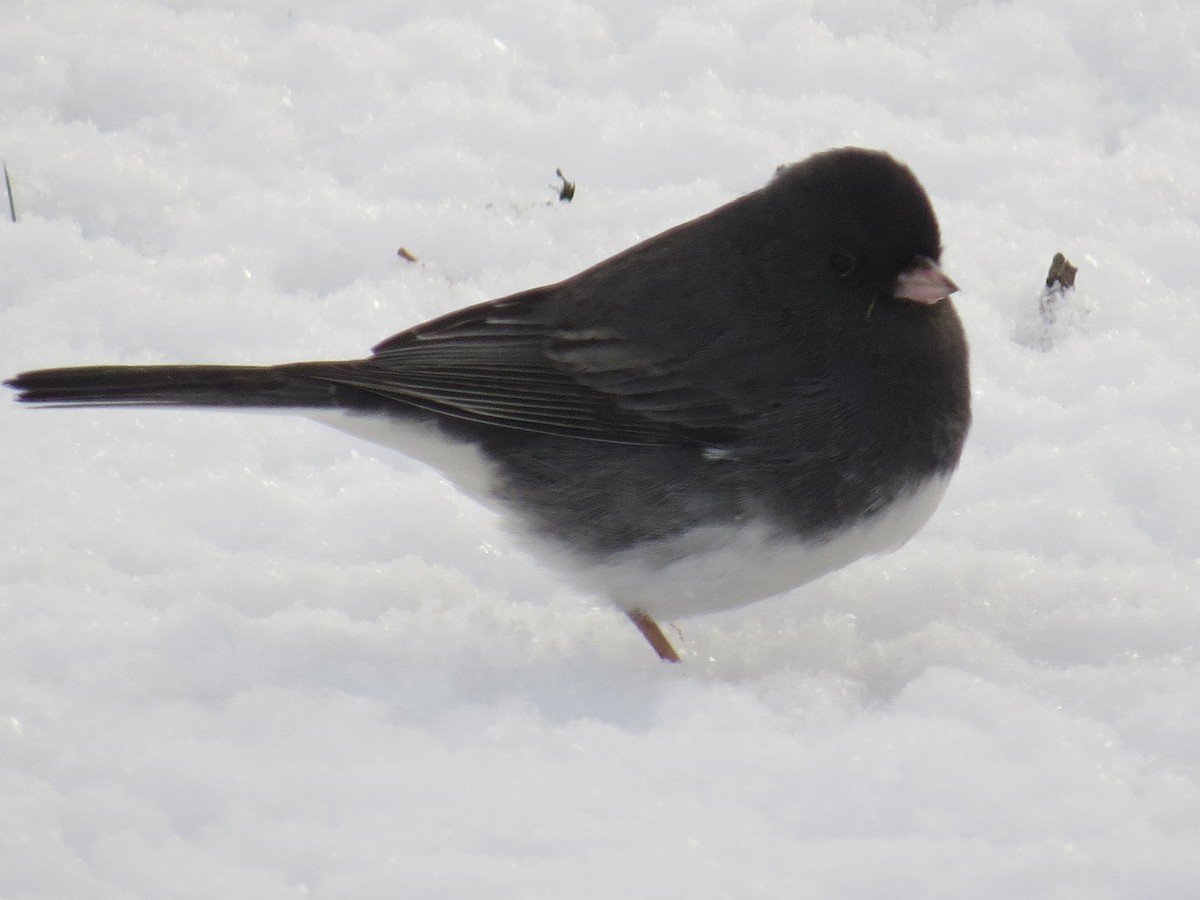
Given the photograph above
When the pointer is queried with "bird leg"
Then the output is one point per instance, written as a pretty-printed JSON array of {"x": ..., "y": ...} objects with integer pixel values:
[{"x": 652, "y": 633}]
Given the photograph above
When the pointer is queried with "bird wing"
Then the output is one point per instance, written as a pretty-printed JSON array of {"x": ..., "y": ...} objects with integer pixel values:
[{"x": 507, "y": 363}]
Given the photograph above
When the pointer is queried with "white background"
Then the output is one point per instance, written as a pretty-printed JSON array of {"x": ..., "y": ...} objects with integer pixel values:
[{"x": 245, "y": 656}]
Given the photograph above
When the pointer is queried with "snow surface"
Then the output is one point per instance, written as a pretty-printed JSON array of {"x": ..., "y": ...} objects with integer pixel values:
[{"x": 246, "y": 656}]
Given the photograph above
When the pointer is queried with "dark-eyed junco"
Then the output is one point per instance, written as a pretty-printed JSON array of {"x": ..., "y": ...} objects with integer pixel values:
[{"x": 727, "y": 410}]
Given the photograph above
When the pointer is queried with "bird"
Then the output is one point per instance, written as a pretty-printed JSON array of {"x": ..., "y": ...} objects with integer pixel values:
[{"x": 725, "y": 411}]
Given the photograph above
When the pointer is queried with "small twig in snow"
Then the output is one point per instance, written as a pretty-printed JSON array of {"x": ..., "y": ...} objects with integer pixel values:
[
  {"x": 12, "y": 206},
  {"x": 566, "y": 193}
]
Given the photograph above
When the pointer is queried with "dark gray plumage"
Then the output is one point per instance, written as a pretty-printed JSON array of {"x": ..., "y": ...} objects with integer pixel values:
[{"x": 779, "y": 379}]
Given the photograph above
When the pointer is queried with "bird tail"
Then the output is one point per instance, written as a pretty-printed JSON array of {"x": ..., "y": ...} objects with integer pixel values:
[{"x": 304, "y": 385}]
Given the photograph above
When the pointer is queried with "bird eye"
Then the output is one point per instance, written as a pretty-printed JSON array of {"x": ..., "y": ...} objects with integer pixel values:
[{"x": 841, "y": 261}]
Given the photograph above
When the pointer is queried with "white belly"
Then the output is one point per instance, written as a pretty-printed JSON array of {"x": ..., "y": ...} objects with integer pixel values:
[
  {"x": 704, "y": 570},
  {"x": 725, "y": 567}
]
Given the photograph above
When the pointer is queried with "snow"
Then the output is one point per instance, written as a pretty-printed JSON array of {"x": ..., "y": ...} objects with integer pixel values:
[{"x": 247, "y": 656}]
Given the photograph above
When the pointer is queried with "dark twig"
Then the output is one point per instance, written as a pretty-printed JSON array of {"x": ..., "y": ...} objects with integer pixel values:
[
  {"x": 12, "y": 206},
  {"x": 566, "y": 193},
  {"x": 1061, "y": 272},
  {"x": 1059, "y": 280}
]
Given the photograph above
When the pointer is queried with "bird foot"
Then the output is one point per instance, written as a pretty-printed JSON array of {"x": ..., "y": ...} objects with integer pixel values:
[{"x": 652, "y": 633}]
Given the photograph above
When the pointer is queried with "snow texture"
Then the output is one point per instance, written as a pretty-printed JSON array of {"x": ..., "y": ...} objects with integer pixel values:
[{"x": 245, "y": 656}]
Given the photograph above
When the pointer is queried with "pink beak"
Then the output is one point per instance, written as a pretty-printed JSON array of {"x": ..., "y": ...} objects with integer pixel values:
[{"x": 924, "y": 282}]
